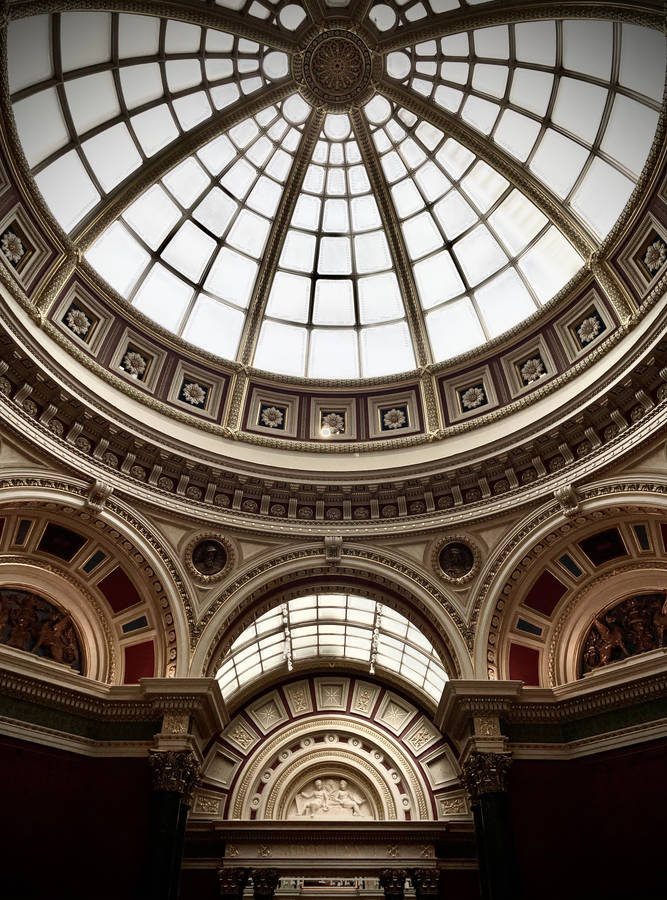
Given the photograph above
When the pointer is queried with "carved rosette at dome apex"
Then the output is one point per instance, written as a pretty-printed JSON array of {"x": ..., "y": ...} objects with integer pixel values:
[{"x": 336, "y": 69}]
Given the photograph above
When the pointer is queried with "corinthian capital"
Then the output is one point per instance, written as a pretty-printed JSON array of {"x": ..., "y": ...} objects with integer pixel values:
[
  {"x": 174, "y": 770},
  {"x": 486, "y": 773}
]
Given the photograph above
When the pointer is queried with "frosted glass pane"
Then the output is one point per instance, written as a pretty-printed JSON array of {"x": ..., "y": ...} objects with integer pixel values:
[
  {"x": 152, "y": 216},
  {"x": 189, "y": 251},
  {"x": 601, "y": 197},
  {"x": 67, "y": 189},
  {"x": 454, "y": 158},
  {"x": 92, "y": 100},
  {"x": 239, "y": 179},
  {"x": 281, "y": 348},
  {"x": 490, "y": 79},
  {"x": 214, "y": 327},
  {"x": 503, "y": 302},
  {"x": 333, "y": 354},
  {"x": 140, "y": 84},
  {"x": 289, "y": 297},
  {"x": 137, "y": 36},
  {"x": 479, "y": 254},
  {"x": 588, "y": 47},
  {"x": 40, "y": 125},
  {"x": 334, "y": 303},
  {"x": 536, "y": 42},
  {"x": 643, "y": 60},
  {"x": 186, "y": 181},
  {"x": 432, "y": 181},
  {"x": 558, "y": 161},
  {"x": 118, "y": 258},
  {"x": 182, "y": 74},
  {"x": 232, "y": 277},
  {"x": 407, "y": 198},
  {"x": 298, "y": 251},
  {"x": 371, "y": 253},
  {"x": 365, "y": 213},
  {"x": 154, "y": 128},
  {"x": 454, "y": 214},
  {"x": 192, "y": 110},
  {"x": 386, "y": 349},
  {"x": 217, "y": 154},
  {"x": 307, "y": 212},
  {"x": 579, "y": 107},
  {"x": 531, "y": 90},
  {"x": 335, "y": 256},
  {"x": 492, "y": 42},
  {"x": 517, "y": 221},
  {"x": 335, "y": 216},
  {"x": 28, "y": 51},
  {"x": 421, "y": 235},
  {"x": 550, "y": 264},
  {"x": 483, "y": 185},
  {"x": 249, "y": 233},
  {"x": 379, "y": 299},
  {"x": 454, "y": 329},
  {"x": 482, "y": 114},
  {"x": 215, "y": 211},
  {"x": 630, "y": 133},
  {"x": 163, "y": 297},
  {"x": 437, "y": 279},
  {"x": 516, "y": 133},
  {"x": 112, "y": 155},
  {"x": 265, "y": 196},
  {"x": 85, "y": 39}
]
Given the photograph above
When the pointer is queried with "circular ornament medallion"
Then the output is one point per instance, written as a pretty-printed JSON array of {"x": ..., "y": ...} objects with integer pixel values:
[
  {"x": 335, "y": 69},
  {"x": 456, "y": 559},
  {"x": 209, "y": 557}
]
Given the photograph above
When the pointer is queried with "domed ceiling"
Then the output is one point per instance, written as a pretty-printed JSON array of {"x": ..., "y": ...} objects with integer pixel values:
[{"x": 353, "y": 198}]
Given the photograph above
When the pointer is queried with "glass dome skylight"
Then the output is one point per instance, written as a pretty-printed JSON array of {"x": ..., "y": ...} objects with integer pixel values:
[
  {"x": 333, "y": 626},
  {"x": 334, "y": 244}
]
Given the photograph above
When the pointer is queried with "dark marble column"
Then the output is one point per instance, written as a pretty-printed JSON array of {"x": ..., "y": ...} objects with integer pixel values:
[
  {"x": 233, "y": 882},
  {"x": 425, "y": 882},
  {"x": 392, "y": 882},
  {"x": 264, "y": 883},
  {"x": 174, "y": 774},
  {"x": 485, "y": 777}
]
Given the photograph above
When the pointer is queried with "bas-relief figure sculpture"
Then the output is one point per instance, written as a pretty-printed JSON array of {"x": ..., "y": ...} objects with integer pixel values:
[
  {"x": 29, "y": 622},
  {"x": 330, "y": 799},
  {"x": 636, "y": 625}
]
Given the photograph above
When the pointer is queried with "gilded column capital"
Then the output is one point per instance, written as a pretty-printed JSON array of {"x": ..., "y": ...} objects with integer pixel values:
[
  {"x": 392, "y": 882},
  {"x": 174, "y": 770},
  {"x": 425, "y": 882},
  {"x": 233, "y": 881},
  {"x": 486, "y": 773},
  {"x": 264, "y": 882}
]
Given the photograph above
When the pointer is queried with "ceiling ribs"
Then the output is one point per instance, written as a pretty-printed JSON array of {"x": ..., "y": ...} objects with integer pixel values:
[
  {"x": 158, "y": 166},
  {"x": 194, "y": 13},
  {"x": 649, "y": 14},
  {"x": 277, "y": 235},
  {"x": 513, "y": 171},
  {"x": 392, "y": 228}
]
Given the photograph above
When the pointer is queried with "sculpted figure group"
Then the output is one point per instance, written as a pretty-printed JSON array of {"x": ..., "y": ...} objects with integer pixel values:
[{"x": 329, "y": 797}]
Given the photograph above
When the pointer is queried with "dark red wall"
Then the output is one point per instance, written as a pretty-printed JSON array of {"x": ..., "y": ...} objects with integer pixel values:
[
  {"x": 71, "y": 827},
  {"x": 592, "y": 828}
]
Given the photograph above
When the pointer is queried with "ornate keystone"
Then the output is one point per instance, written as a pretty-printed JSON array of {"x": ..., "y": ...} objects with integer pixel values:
[
  {"x": 174, "y": 770},
  {"x": 392, "y": 882},
  {"x": 233, "y": 881},
  {"x": 264, "y": 883},
  {"x": 486, "y": 773}
]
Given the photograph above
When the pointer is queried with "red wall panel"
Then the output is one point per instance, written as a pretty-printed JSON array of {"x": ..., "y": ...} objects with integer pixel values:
[
  {"x": 524, "y": 664},
  {"x": 119, "y": 590},
  {"x": 139, "y": 662},
  {"x": 545, "y": 593}
]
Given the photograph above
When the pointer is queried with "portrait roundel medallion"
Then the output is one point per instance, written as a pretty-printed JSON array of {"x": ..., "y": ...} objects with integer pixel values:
[
  {"x": 209, "y": 557},
  {"x": 456, "y": 559}
]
